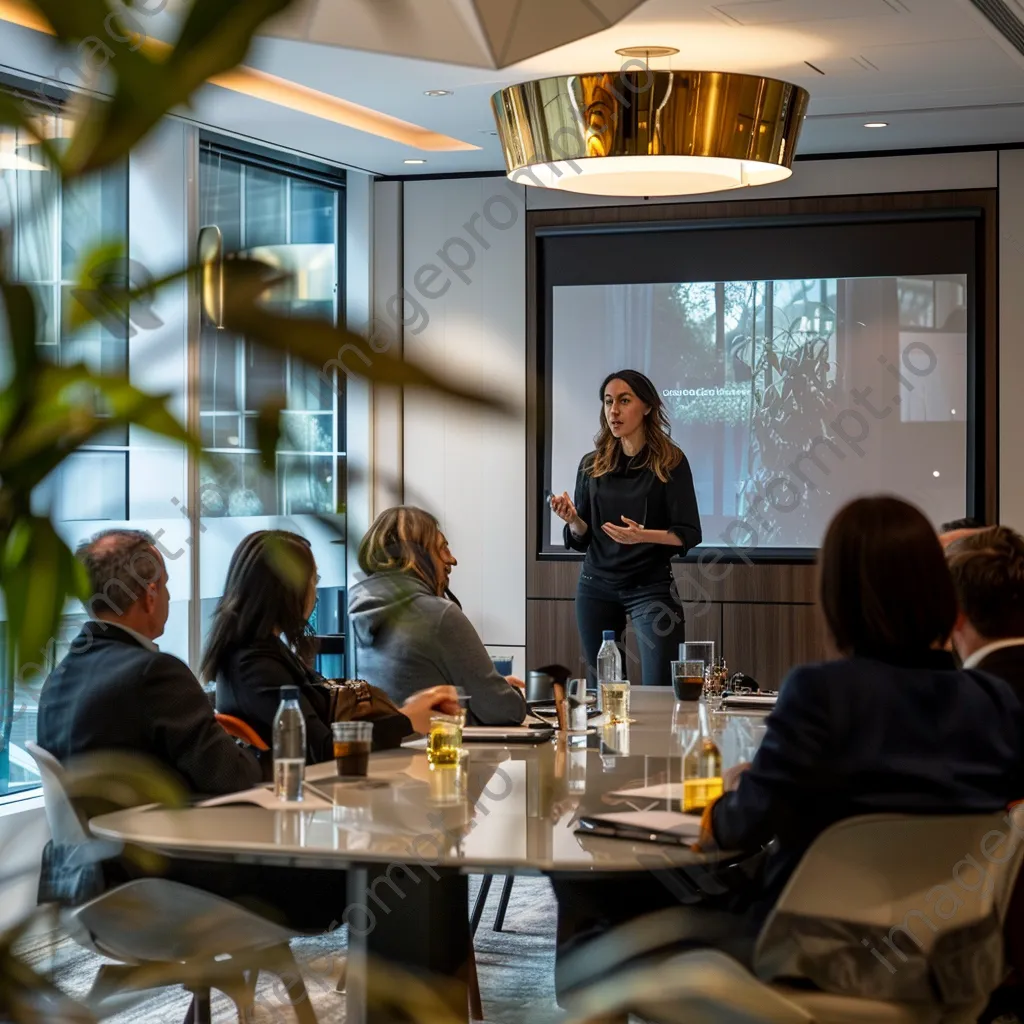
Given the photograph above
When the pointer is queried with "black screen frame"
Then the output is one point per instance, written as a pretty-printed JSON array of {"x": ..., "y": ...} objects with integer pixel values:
[{"x": 629, "y": 252}]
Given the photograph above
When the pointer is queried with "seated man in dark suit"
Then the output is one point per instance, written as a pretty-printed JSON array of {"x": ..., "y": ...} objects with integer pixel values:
[
  {"x": 116, "y": 690},
  {"x": 988, "y": 571}
]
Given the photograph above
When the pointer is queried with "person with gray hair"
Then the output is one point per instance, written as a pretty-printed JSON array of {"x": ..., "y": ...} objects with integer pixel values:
[{"x": 116, "y": 690}]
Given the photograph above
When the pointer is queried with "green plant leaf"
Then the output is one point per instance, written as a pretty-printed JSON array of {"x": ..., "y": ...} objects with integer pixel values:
[
  {"x": 321, "y": 344},
  {"x": 39, "y": 574},
  {"x": 71, "y": 407},
  {"x": 286, "y": 563},
  {"x": 20, "y": 309},
  {"x": 268, "y": 431},
  {"x": 216, "y": 36}
]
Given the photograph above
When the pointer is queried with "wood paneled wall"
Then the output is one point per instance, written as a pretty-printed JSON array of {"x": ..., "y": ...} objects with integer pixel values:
[{"x": 762, "y": 616}]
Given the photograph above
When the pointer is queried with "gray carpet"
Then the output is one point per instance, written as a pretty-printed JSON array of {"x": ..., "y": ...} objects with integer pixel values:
[{"x": 515, "y": 968}]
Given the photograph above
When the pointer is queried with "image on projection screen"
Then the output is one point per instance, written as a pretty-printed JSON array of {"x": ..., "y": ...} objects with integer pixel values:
[{"x": 789, "y": 398}]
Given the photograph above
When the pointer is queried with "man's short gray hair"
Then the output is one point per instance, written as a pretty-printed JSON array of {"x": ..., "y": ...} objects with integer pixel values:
[{"x": 120, "y": 565}]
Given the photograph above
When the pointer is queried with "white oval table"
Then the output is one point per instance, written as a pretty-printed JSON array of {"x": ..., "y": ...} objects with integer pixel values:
[{"x": 408, "y": 836}]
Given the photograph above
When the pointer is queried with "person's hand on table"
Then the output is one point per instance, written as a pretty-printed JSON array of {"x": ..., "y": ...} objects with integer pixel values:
[
  {"x": 516, "y": 682},
  {"x": 420, "y": 706},
  {"x": 631, "y": 533},
  {"x": 731, "y": 776}
]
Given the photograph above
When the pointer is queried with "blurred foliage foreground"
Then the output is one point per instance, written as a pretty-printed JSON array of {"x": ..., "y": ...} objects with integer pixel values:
[{"x": 47, "y": 412}]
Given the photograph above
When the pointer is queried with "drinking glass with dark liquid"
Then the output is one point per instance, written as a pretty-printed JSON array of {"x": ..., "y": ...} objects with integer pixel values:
[
  {"x": 352, "y": 742},
  {"x": 688, "y": 679}
]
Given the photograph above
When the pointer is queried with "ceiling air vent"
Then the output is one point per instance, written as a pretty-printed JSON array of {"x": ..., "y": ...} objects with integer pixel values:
[{"x": 1004, "y": 18}]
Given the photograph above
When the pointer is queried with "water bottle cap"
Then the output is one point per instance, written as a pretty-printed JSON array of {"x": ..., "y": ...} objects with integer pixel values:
[
  {"x": 289, "y": 693},
  {"x": 608, "y": 634}
]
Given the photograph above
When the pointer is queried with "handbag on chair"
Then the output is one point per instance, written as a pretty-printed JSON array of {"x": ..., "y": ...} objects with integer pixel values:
[{"x": 355, "y": 700}]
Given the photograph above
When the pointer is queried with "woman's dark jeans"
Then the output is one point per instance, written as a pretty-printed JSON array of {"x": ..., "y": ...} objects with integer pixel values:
[{"x": 656, "y": 618}]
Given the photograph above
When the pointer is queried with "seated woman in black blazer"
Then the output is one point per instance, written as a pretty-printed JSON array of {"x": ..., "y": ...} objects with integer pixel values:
[{"x": 260, "y": 640}]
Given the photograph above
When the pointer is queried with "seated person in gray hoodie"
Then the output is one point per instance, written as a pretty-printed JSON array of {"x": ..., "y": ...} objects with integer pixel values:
[{"x": 409, "y": 634}]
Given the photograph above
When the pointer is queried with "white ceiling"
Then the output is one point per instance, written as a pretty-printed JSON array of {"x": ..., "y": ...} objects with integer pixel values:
[{"x": 934, "y": 69}]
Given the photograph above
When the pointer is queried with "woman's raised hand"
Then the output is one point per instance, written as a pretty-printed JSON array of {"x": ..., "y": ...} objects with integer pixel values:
[{"x": 562, "y": 506}]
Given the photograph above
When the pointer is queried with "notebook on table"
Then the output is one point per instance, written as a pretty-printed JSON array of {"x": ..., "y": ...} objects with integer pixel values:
[
  {"x": 765, "y": 701},
  {"x": 672, "y": 827}
]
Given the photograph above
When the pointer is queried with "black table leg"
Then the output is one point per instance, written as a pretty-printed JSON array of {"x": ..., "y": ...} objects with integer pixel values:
[{"x": 416, "y": 920}]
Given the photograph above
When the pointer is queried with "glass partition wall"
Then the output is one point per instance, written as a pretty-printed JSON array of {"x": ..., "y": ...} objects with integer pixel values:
[{"x": 290, "y": 220}]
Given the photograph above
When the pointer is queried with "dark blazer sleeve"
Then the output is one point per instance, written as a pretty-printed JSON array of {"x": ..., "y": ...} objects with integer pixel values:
[
  {"x": 185, "y": 734},
  {"x": 790, "y": 762},
  {"x": 581, "y": 499},
  {"x": 683, "y": 514}
]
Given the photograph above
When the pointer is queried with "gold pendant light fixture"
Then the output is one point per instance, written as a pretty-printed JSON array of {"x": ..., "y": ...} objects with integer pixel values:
[{"x": 641, "y": 132}]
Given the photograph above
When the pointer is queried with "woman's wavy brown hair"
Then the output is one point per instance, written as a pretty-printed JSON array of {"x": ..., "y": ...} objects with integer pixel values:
[
  {"x": 661, "y": 455},
  {"x": 405, "y": 539}
]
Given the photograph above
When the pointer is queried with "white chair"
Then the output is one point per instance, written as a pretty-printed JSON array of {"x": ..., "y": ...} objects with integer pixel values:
[
  {"x": 163, "y": 933},
  {"x": 879, "y": 874}
]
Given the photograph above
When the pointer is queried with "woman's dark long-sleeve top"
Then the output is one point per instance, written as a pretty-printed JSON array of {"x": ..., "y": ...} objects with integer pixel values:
[
  {"x": 249, "y": 687},
  {"x": 639, "y": 495},
  {"x": 862, "y": 736}
]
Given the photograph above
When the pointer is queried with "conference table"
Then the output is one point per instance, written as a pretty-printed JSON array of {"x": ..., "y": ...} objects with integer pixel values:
[{"x": 408, "y": 836}]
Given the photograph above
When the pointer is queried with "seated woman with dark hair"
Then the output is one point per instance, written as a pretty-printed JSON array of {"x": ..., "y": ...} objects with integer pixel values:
[
  {"x": 890, "y": 726},
  {"x": 260, "y": 640},
  {"x": 407, "y": 628}
]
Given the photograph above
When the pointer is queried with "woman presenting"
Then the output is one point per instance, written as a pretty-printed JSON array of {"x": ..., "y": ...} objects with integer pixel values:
[{"x": 634, "y": 508}]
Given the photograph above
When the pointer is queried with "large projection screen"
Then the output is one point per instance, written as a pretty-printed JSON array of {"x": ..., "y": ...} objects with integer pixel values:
[{"x": 790, "y": 395}]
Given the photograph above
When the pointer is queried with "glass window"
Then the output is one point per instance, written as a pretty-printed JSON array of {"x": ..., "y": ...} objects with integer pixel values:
[
  {"x": 291, "y": 223},
  {"x": 50, "y": 232}
]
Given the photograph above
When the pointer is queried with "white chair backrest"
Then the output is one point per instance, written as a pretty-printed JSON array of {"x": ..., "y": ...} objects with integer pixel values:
[
  {"x": 931, "y": 873},
  {"x": 66, "y": 827}
]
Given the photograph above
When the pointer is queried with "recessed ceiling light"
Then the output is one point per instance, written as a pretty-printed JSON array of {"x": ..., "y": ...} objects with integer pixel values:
[
  {"x": 953, "y": 412},
  {"x": 437, "y": 92},
  {"x": 935, "y": 472},
  {"x": 415, "y": 161},
  {"x": 877, "y": 124}
]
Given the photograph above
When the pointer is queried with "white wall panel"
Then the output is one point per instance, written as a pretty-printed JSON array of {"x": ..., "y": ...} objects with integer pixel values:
[
  {"x": 465, "y": 315},
  {"x": 387, "y": 330}
]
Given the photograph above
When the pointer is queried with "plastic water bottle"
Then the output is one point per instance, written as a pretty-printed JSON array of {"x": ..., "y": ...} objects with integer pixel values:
[
  {"x": 289, "y": 746},
  {"x": 609, "y": 663}
]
